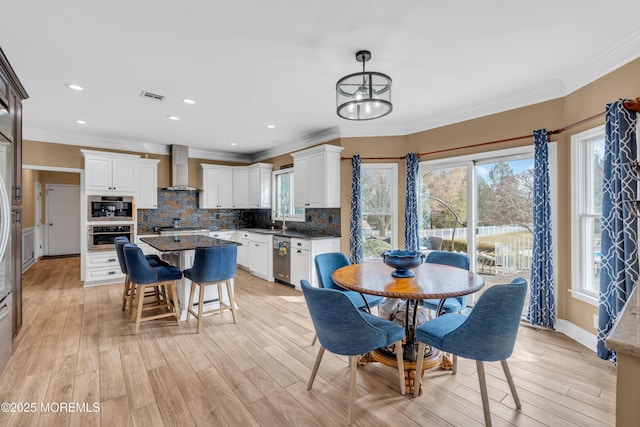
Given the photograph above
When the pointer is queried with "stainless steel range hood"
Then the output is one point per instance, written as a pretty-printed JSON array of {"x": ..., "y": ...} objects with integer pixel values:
[{"x": 180, "y": 169}]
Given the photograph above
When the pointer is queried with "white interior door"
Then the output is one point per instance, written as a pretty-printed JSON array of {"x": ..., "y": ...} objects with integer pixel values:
[{"x": 63, "y": 219}]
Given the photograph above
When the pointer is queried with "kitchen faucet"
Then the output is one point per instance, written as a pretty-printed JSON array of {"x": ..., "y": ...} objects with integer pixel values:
[{"x": 275, "y": 214}]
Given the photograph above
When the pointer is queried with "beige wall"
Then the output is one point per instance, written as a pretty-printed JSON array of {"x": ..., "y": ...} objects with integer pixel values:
[
  {"x": 554, "y": 114},
  {"x": 29, "y": 179}
]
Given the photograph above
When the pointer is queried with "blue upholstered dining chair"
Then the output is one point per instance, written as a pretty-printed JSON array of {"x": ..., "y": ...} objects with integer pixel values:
[
  {"x": 326, "y": 264},
  {"x": 154, "y": 261},
  {"x": 142, "y": 275},
  {"x": 343, "y": 329},
  {"x": 212, "y": 265},
  {"x": 454, "y": 259},
  {"x": 487, "y": 334}
]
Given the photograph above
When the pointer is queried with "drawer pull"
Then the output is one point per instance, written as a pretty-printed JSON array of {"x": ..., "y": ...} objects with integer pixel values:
[
  {"x": 112, "y": 260},
  {"x": 112, "y": 272}
]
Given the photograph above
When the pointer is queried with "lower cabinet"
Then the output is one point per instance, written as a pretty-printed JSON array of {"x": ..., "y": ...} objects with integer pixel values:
[
  {"x": 242, "y": 238},
  {"x": 300, "y": 261},
  {"x": 303, "y": 254},
  {"x": 101, "y": 268},
  {"x": 261, "y": 256}
]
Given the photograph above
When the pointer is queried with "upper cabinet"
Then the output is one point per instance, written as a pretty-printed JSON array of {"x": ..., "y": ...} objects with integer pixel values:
[
  {"x": 316, "y": 175},
  {"x": 260, "y": 185},
  {"x": 239, "y": 187},
  {"x": 110, "y": 172},
  {"x": 217, "y": 187},
  {"x": 147, "y": 184}
]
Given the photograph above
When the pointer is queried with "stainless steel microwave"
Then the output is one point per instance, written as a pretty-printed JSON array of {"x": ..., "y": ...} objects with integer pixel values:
[{"x": 111, "y": 208}]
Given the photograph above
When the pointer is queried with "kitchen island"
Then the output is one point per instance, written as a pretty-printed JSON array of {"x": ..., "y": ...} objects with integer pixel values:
[{"x": 179, "y": 250}]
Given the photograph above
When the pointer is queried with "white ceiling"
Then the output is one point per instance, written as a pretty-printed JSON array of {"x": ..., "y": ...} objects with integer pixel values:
[{"x": 251, "y": 63}]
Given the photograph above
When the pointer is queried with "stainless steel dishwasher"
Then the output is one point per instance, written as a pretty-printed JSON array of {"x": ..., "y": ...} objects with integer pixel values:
[{"x": 282, "y": 260}]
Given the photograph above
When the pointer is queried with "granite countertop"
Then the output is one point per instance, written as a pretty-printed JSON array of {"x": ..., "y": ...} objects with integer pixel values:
[
  {"x": 625, "y": 335},
  {"x": 184, "y": 243},
  {"x": 296, "y": 234}
]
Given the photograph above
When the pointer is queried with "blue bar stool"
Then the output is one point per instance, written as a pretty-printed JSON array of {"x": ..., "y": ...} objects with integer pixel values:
[
  {"x": 143, "y": 275},
  {"x": 154, "y": 261},
  {"x": 212, "y": 265}
]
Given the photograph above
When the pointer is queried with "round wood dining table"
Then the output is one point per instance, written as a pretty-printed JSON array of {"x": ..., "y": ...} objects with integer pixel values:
[{"x": 431, "y": 281}]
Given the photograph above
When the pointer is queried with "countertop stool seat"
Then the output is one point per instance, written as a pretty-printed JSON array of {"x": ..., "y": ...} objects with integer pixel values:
[
  {"x": 212, "y": 265},
  {"x": 142, "y": 275},
  {"x": 128, "y": 290}
]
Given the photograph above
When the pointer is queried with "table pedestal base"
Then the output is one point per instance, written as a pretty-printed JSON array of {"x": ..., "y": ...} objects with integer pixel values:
[{"x": 430, "y": 361}]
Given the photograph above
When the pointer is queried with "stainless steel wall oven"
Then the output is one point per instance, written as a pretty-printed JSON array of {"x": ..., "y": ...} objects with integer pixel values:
[{"x": 101, "y": 237}]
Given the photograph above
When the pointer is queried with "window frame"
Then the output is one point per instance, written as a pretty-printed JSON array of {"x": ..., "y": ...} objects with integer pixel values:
[
  {"x": 581, "y": 200},
  {"x": 275, "y": 215}
]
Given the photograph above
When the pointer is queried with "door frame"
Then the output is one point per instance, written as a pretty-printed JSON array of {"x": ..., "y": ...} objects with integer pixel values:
[{"x": 45, "y": 243}]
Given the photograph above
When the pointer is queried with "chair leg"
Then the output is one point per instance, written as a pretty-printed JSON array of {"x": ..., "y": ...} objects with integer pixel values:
[
  {"x": 483, "y": 393},
  {"x": 455, "y": 364},
  {"x": 512, "y": 386},
  {"x": 315, "y": 338},
  {"x": 231, "y": 300},
  {"x": 191, "y": 294},
  {"x": 419, "y": 360},
  {"x": 400, "y": 360},
  {"x": 140, "y": 299},
  {"x": 132, "y": 299},
  {"x": 174, "y": 296},
  {"x": 200, "y": 304},
  {"x": 315, "y": 367},
  {"x": 352, "y": 388},
  {"x": 125, "y": 292}
]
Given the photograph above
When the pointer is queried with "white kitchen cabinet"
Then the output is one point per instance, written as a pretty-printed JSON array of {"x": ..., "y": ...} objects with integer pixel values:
[
  {"x": 261, "y": 255},
  {"x": 316, "y": 173},
  {"x": 110, "y": 172},
  {"x": 240, "y": 187},
  {"x": 217, "y": 187},
  {"x": 147, "y": 184},
  {"x": 243, "y": 247},
  {"x": 260, "y": 185},
  {"x": 300, "y": 261},
  {"x": 220, "y": 234},
  {"x": 303, "y": 254},
  {"x": 102, "y": 268}
]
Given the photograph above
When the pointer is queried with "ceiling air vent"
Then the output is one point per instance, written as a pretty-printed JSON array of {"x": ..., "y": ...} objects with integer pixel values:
[{"x": 151, "y": 96}]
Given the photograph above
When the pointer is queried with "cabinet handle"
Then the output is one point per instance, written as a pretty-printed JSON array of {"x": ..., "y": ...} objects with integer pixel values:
[
  {"x": 299, "y": 244},
  {"x": 257, "y": 245},
  {"x": 112, "y": 260},
  {"x": 112, "y": 272},
  {"x": 299, "y": 251},
  {"x": 307, "y": 204}
]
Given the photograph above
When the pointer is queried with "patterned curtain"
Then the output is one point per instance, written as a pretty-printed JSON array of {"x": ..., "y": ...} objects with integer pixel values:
[
  {"x": 411, "y": 237},
  {"x": 542, "y": 306},
  {"x": 356, "y": 238},
  {"x": 619, "y": 244}
]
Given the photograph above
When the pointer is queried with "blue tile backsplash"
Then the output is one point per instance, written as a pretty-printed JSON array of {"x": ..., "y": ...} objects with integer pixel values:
[{"x": 184, "y": 205}]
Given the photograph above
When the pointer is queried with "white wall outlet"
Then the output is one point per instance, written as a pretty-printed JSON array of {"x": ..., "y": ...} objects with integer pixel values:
[{"x": 595, "y": 321}]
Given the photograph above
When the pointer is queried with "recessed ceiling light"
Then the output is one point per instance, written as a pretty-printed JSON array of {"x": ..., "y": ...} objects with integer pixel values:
[
  {"x": 173, "y": 118},
  {"x": 233, "y": 143},
  {"x": 271, "y": 126},
  {"x": 74, "y": 86},
  {"x": 188, "y": 101},
  {"x": 81, "y": 122}
]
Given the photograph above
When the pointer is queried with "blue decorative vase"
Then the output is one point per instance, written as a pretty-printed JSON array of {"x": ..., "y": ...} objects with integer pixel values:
[{"x": 403, "y": 261}]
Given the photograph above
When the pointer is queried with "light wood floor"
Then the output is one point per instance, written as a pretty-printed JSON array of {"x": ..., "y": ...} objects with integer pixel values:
[{"x": 77, "y": 346}]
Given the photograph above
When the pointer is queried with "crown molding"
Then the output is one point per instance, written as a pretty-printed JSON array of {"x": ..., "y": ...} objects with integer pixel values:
[
  {"x": 94, "y": 141},
  {"x": 200, "y": 153},
  {"x": 603, "y": 63},
  {"x": 315, "y": 138},
  {"x": 503, "y": 102}
]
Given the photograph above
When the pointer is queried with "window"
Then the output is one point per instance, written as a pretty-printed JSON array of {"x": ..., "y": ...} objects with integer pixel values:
[
  {"x": 587, "y": 160},
  {"x": 482, "y": 204},
  {"x": 379, "y": 183},
  {"x": 283, "y": 197}
]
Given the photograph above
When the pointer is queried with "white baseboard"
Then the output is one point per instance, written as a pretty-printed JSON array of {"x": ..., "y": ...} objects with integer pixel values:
[{"x": 578, "y": 334}]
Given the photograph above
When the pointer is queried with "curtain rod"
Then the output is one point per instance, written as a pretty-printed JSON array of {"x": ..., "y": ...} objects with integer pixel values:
[{"x": 629, "y": 105}]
